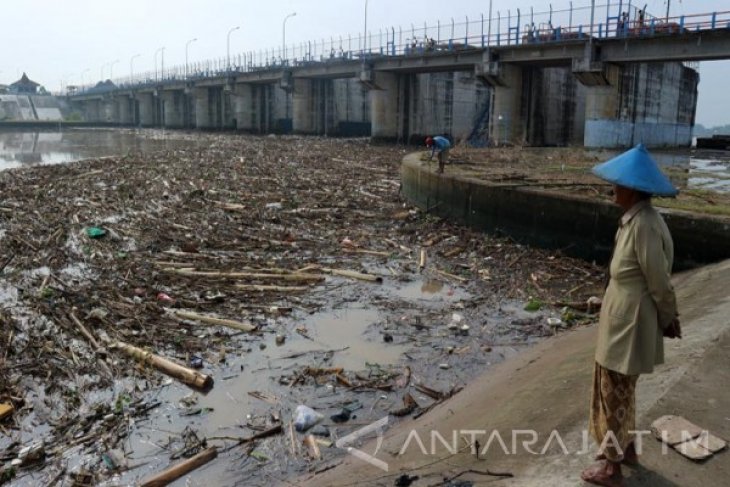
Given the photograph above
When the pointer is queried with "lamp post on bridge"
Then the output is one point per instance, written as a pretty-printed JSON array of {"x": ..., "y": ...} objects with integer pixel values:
[
  {"x": 82, "y": 75},
  {"x": 365, "y": 32},
  {"x": 131, "y": 67},
  {"x": 668, "y": 3},
  {"x": 228, "y": 47},
  {"x": 283, "y": 35},
  {"x": 162, "y": 49},
  {"x": 111, "y": 68},
  {"x": 187, "y": 44}
]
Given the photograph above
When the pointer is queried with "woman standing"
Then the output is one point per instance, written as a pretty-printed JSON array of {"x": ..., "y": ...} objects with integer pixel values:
[{"x": 639, "y": 309}]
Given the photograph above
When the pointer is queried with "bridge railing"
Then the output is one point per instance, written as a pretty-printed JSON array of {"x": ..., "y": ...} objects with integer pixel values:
[{"x": 513, "y": 27}]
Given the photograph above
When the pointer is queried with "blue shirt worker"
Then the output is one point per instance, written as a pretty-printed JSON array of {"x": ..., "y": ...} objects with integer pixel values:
[{"x": 441, "y": 145}]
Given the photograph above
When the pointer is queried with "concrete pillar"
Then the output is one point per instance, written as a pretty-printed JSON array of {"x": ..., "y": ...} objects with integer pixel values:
[
  {"x": 243, "y": 107},
  {"x": 90, "y": 110},
  {"x": 603, "y": 125},
  {"x": 506, "y": 124},
  {"x": 124, "y": 110},
  {"x": 384, "y": 112},
  {"x": 202, "y": 108},
  {"x": 146, "y": 102},
  {"x": 108, "y": 110},
  {"x": 173, "y": 108},
  {"x": 228, "y": 107},
  {"x": 303, "y": 110}
]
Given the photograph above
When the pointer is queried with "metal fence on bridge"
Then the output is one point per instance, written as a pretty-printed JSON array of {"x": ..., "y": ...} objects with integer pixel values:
[{"x": 514, "y": 27}]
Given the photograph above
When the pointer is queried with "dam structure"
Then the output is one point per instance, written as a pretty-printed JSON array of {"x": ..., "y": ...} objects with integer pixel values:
[{"x": 542, "y": 79}]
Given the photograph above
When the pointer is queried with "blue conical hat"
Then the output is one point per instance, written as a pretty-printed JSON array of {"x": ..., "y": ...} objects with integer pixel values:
[{"x": 636, "y": 169}]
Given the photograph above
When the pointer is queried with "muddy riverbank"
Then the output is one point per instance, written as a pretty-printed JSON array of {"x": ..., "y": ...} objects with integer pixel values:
[{"x": 358, "y": 306}]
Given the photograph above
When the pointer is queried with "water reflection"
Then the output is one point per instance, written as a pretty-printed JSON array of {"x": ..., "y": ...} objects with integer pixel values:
[
  {"x": 700, "y": 169},
  {"x": 20, "y": 149}
]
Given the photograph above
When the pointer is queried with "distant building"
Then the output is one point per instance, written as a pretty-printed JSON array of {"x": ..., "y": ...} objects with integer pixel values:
[
  {"x": 3, "y": 89},
  {"x": 24, "y": 86}
]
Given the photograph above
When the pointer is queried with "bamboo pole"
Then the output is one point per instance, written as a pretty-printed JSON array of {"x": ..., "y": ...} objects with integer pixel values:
[
  {"x": 366, "y": 252},
  {"x": 94, "y": 344},
  {"x": 178, "y": 470},
  {"x": 451, "y": 276},
  {"x": 237, "y": 325},
  {"x": 185, "y": 375},
  {"x": 262, "y": 288},
  {"x": 247, "y": 275},
  {"x": 353, "y": 275},
  {"x": 311, "y": 444}
]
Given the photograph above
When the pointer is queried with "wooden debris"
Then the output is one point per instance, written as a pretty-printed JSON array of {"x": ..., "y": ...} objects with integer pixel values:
[
  {"x": 451, "y": 276},
  {"x": 176, "y": 471},
  {"x": 353, "y": 275},
  {"x": 185, "y": 375},
  {"x": 246, "y": 275},
  {"x": 366, "y": 252},
  {"x": 264, "y": 396},
  {"x": 95, "y": 345},
  {"x": 271, "y": 288},
  {"x": 432, "y": 393},
  {"x": 422, "y": 261},
  {"x": 404, "y": 379},
  {"x": 6, "y": 409},
  {"x": 311, "y": 444},
  {"x": 274, "y": 430},
  {"x": 409, "y": 405},
  {"x": 209, "y": 320},
  {"x": 453, "y": 252}
]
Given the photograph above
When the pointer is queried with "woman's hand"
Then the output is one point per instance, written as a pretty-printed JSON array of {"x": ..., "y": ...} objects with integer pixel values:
[{"x": 673, "y": 330}]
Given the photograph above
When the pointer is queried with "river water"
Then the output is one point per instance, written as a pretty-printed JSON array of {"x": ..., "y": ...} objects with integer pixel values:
[
  {"x": 25, "y": 149},
  {"x": 709, "y": 170}
]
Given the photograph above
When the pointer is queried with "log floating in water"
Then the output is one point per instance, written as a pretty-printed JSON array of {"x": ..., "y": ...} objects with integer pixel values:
[
  {"x": 185, "y": 375},
  {"x": 176, "y": 471}
]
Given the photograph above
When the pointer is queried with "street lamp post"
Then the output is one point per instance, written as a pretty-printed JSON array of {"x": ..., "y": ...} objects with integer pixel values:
[
  {"x": 283, "y": 34},
  {"x": 131, "y": 66},
  {"x": 111, "y": 68},
  {"x": 82, "y": 76},
  {"x": 155, "y": 57},
  {"x": 365, "y": 32},
  {"x": 228, "y": 47},
  {"x": 187, "y": 44}
]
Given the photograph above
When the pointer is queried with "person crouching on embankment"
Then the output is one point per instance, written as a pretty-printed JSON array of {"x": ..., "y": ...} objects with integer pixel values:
[
  {"x": 441, "y": 145},
  {"x": 638, "y": 309}
]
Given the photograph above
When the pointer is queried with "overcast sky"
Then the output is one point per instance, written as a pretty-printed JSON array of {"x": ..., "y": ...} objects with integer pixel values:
[{"x": 55, "y": 41}]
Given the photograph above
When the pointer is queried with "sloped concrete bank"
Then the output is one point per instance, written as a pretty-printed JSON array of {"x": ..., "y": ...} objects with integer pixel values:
[{"x": 577, "y": 225}]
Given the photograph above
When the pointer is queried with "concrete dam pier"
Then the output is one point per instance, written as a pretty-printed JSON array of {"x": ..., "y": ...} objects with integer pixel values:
[
  {"x": 598, "y": 86},
  {"x": 650, "y": 102}
]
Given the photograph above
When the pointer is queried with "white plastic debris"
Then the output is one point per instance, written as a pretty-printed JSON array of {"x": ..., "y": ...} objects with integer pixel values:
[{"x": 306, "y": 417}]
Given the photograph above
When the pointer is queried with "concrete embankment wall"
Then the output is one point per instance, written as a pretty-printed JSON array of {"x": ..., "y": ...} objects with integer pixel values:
[
  {"x": 29, "y": 108},
  {"x": 578, "y": 226}
]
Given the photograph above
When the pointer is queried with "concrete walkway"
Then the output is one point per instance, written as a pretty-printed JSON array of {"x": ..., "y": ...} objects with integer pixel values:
[{"x": 547, "y": 388}]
